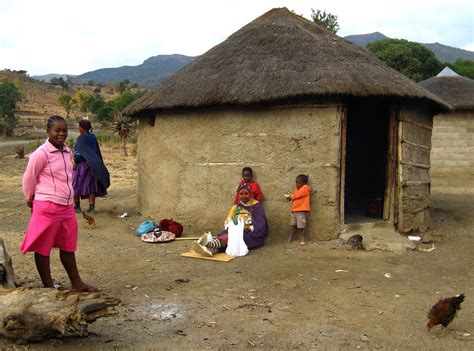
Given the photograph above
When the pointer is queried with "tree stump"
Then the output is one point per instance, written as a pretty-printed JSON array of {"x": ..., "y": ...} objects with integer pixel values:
[
  {"x": 7, "y": 278},
  {"x": 35, "y": 314}
]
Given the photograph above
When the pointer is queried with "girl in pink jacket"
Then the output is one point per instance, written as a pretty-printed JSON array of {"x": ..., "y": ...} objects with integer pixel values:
[{"x": 47, "y": 186}]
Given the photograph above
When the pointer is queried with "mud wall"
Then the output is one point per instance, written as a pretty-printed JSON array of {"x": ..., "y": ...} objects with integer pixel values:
[
  {"x": 414, "y": 182},
  {"x": 189, "y": 165},
  {"x": 453, "y": 139}
]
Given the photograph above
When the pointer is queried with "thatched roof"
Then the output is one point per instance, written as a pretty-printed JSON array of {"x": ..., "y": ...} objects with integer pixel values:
[
  {"x": 456, "y": 90},
  {"x": 278, "y": 56}
]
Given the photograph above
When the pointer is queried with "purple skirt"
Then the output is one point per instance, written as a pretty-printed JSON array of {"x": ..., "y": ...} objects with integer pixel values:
[{"x": 84, "y": 182}]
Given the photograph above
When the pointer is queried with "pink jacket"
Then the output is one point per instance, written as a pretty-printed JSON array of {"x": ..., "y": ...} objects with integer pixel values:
[{"x": 48, "y": 175}]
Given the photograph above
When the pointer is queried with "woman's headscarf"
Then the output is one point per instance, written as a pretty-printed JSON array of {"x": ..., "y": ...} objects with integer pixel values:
[{"x": 244, "y": 186}]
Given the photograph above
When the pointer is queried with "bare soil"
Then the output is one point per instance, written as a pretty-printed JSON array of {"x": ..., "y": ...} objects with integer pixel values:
[{"x": 282, "y": 296}]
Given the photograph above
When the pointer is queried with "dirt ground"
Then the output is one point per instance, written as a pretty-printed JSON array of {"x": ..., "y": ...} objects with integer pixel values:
[{"x": 282, "y": 296}]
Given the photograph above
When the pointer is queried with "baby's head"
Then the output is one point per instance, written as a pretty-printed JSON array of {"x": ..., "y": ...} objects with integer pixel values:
[
  {"x": 301, "y": 180},
  {"x": 247, "y": 174}
]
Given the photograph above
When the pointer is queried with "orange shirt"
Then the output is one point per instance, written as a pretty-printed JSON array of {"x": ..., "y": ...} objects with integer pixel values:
[{"x": 301, "y": 199}]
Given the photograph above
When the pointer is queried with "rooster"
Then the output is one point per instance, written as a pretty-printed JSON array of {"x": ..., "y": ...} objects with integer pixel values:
[{"x": 444, "y": 311}]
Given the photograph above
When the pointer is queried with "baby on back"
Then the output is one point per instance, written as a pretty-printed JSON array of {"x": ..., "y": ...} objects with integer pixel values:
[{"x": 247, "y": 178}]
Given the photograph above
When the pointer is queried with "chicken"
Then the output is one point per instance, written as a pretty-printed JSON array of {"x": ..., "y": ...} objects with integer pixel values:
[
  {"x": 444, "y": 311},
  {"x": 355, "y": 242},
  {"x": 89, "y": 220}
]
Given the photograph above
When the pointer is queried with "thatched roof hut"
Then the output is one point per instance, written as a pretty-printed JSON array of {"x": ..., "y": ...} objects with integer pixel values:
[
  {"x": 456, "y": 90},
  {"x": 278, "y": 56},
  {"x": 286, "y": 96},
  {"x": 453, "y": 131}
]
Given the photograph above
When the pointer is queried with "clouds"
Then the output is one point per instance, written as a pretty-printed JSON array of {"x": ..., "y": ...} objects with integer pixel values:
[{"x": 74, "y": 37}]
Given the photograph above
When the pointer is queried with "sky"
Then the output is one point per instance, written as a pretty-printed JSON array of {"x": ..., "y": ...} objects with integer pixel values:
[{"x": 74, "y": 37}]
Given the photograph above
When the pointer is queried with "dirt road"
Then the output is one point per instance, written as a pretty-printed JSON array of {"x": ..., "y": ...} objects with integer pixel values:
[{"x": 282, "y": 296}]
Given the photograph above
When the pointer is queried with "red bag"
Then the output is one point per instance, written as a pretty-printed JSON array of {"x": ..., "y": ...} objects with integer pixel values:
[{"x": 171, "y": 226}]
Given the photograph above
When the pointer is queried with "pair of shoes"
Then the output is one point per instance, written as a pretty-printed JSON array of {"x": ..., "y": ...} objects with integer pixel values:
[
  {"x": 77, "y": 209},
  {"x": 202, "y": 250},
  {"x": 204, "y": 239},
  {"x": 91, "y": 210}
]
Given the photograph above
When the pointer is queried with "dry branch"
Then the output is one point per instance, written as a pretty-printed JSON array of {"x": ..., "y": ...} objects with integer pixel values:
[
  {"x": 35, "y": 314},
  {"x": 7, "y": 278}
]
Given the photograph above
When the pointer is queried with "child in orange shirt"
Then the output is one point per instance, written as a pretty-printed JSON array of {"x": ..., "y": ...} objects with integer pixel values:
[{"x": 300, "y": 207}]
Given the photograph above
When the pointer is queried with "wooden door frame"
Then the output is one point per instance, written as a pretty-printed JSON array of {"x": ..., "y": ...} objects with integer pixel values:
[
  {"x": 389, "y": 210},
  {"x": 342, "y": 166},
  {"x": 391, "y": 167}
]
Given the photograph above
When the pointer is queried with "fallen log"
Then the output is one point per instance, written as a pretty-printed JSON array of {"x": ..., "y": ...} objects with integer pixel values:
[
  {"x": 36, "y": 314},
  {"x": 7, "y": 278}
]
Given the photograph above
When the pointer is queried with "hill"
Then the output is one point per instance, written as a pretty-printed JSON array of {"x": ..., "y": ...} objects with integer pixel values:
[
  {"x": 47, "y": 77},
  {"x": 443, "y": 53},
  {"x": 39, "y": 99},
  {"x": 364, "y": 39},
  {"x": 150, "y": 73},
  {"x": 449, "y": 54}
]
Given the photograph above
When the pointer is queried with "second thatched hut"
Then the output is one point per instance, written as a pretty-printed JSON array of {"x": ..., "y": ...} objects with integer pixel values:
[
  {"x": 285, "y": 96},
  {"x": 453, "y": 131}
]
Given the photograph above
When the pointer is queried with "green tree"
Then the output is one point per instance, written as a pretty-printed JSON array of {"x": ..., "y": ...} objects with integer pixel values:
[
  {"x": 121, "y": 86},
  {"x": 60, "y": 81},
  {"x": 9, "y": 96},
  {"x": 66, "y": 101},
  {"x": 463, "y": 67},
  {"x": 326, "y": 20},
  {"x": 81, "y": 101},
  {"x": 411, "y": 59},
  {"x": 96, "y": 103},
  {"x": 107, "y": 111}
]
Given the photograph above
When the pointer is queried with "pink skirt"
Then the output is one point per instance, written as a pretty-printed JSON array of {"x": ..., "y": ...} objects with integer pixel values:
[{"x": 51, "y": 225}]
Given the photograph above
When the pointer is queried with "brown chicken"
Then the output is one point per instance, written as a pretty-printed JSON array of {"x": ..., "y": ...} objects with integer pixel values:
[
  {"x": 89, "y": 219},
  {"x": 444, "y": 311}
]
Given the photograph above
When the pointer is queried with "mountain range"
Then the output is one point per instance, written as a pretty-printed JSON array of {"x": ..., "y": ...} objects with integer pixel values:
[
  {"x": 156, "y": 69},
  {"x": 443, "y": 53}
]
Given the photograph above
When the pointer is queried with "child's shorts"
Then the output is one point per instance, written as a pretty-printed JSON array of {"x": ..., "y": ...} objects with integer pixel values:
[
  {"x": 298, "y": 219},
  {"x": 51, "y": 225}
]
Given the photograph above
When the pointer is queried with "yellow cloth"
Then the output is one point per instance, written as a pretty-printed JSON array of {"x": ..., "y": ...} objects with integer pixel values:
[
  {"x": 243, "y": 215},
  {"x": 221, "y": 256}
]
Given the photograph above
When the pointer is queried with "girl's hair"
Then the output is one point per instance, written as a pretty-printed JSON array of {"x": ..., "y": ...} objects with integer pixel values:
[
  {"x": 303, "y": 178},
  {"x": 247, "y": 169},
  {"x": 52, "y": 120},
  {"x": 86, "y": 125}
]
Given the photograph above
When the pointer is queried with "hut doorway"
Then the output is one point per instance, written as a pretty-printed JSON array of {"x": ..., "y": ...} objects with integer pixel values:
[{"x": 366, "y": 149}]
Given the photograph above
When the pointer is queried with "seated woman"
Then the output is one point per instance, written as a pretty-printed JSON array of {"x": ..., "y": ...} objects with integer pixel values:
[{"x": 251, "y": 212}]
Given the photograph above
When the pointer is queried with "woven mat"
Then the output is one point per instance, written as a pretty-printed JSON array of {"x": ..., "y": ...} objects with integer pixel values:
[{"x": 221, "y": 256}]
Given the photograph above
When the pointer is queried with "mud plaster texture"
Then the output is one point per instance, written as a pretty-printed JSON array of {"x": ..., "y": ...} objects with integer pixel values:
[{"x": 189, "y": 164}]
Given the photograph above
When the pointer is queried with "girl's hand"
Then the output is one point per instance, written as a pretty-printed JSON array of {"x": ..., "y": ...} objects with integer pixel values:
[{"x": 29, "y": 203}]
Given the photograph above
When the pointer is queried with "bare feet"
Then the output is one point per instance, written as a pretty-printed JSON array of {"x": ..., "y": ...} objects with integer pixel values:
[
  {"x": 83, "y": 287},
  {"x": 302, "y": 243}
]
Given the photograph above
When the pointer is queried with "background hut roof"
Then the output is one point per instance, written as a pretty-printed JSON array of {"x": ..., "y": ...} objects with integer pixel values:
[
  {"x": 277, "y": 56},
  {"x": 456, "y": 90}
]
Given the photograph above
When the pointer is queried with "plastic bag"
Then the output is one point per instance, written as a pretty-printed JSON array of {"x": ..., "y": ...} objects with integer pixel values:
[
  {"x": 236, "y": 245},
  {"x": 145, "y": 227}
]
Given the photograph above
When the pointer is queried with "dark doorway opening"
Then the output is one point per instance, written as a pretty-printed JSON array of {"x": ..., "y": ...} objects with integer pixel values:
[{"x": 366, "y": 160}]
